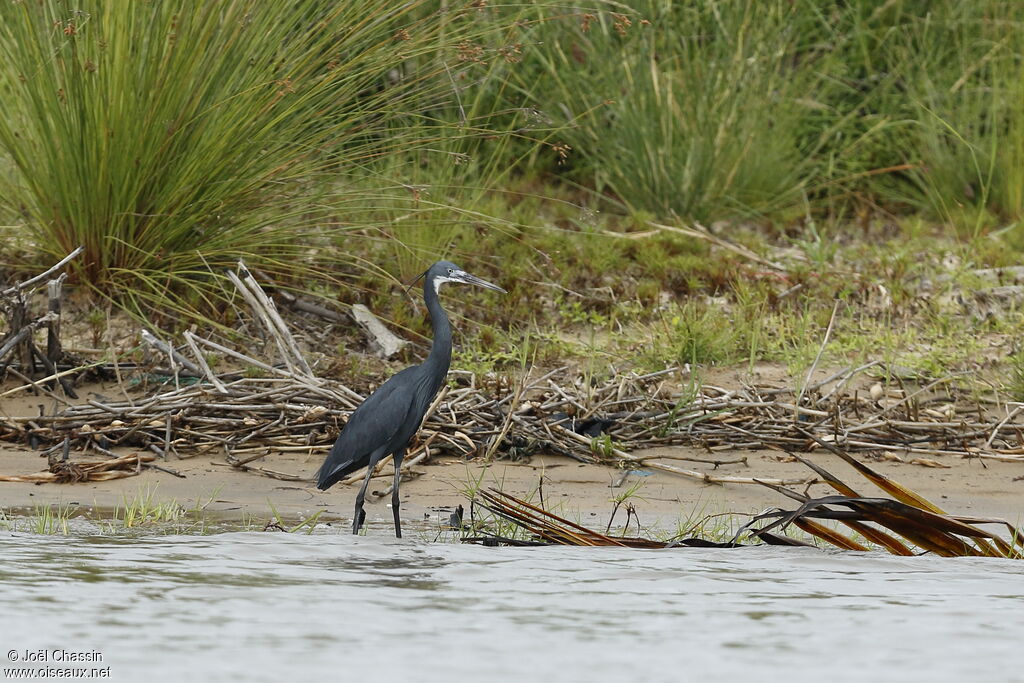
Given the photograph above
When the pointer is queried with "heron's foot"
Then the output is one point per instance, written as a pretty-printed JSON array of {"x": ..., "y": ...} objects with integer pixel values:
[
  {"x": 359, "y": 521},
  {"x": 396, "y": 502}
]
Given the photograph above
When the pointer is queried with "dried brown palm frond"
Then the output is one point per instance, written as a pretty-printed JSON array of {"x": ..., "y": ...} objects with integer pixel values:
[
  {"x": 906, "y": 524},
  {"x": 907, "y": 520},
  {"x": 946, "y": 535},
  {"x": 548, "y": 528}
]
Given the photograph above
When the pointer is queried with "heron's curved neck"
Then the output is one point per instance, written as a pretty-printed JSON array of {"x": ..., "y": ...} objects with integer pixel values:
[{"x": 441, "y": 350}]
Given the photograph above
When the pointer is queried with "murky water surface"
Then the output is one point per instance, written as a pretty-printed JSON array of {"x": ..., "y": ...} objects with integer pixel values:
[{"x": 273, "y": 607}]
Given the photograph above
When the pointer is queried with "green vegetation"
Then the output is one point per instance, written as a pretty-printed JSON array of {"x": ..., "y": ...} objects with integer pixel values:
[
  {"x": 143, "y": 513},
  {"x": 49, "y": 519},
  {"x": 872, "y": 149},
  {"x": 278, "y": 523},
  {"x": 170, "y": 139},
  {"x": 142, "y": 509}
]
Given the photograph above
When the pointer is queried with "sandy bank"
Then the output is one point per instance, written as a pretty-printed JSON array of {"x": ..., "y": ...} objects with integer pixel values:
[{"x": 663, "y": 499}]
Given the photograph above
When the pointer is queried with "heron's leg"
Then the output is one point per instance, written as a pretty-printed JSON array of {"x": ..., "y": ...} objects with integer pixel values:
[
  {"x": 395, "y": 502},
  {"x": 359, "y": 515}
]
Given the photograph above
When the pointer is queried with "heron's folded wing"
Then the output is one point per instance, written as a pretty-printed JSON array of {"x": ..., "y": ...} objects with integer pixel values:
[{"x": 374, "y": 425}]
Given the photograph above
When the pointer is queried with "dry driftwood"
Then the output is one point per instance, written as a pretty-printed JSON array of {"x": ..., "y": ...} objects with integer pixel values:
[
  {"x": 383, "y": 340},
  {"x": 68, "y": 472},
  {"x": 19, "y": 340},
  {"x": 33, "y": 281}
]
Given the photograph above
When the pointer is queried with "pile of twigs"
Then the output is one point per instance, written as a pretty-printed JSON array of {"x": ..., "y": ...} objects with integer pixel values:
[
  {"x": 249, "y": 418},
  {"x": 643, "y": 411},
  {"x": 287, "y": 408},
  {"x": 19, "y": 341}
]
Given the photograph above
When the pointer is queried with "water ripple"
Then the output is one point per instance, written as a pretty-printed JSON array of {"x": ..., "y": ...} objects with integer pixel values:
[{"x": 255, "y": 607}]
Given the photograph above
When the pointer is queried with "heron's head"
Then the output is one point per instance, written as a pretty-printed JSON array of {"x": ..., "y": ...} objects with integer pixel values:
[{"x": 446, "y": 271}]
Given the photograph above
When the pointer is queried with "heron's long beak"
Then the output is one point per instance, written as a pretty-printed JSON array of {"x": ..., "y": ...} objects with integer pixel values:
[{"x": 463, "y": 276}]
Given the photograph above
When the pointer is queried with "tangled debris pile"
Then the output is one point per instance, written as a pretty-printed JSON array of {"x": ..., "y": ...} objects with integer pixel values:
[
  {"x": 62, "y": 470},
  {"x": 282, "y": 405}
]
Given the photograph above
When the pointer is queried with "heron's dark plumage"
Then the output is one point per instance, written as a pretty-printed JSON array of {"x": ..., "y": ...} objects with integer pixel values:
[
  {"x": 386, "y": 421},
  {"x": 367, "y": 430}
]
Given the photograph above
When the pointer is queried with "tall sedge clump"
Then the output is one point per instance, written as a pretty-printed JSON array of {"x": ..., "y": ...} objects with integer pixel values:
[
  {"x": 966, "y": 80},
  {"x": 170, "y": 138},
  {"x": 482, "y": 138},
  {"x": 677, "y": 108}
]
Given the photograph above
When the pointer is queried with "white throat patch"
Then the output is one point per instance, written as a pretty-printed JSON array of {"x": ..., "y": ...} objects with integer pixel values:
[{"x": 438, "y": 281}]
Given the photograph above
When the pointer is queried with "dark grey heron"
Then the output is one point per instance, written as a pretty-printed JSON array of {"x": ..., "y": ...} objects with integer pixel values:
[{"x": 386, "y": 421}]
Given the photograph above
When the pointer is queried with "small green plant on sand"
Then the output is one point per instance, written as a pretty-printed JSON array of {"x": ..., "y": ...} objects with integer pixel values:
[
  {"x": 51, "y": 519},
  {"x": 625, "y": 498},
  {"x": 143, "y": 509},
  {"x": 478, "y": 520},
  {"x": 604, "y": 447},
  {"x": 278, "y": 523},
  {"x": 46, "y": 519}
]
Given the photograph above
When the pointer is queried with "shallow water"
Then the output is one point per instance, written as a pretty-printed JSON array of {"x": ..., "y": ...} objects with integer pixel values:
[{"x": 270, "y": 607}]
